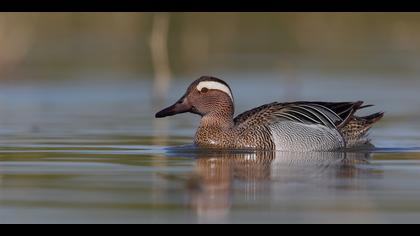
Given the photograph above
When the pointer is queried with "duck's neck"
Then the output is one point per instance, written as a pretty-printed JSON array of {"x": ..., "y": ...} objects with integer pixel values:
[
  {"x": 217, "y": 121},
  {"x": 221, "y": 117},
  {"x": 215, "y": 129}
]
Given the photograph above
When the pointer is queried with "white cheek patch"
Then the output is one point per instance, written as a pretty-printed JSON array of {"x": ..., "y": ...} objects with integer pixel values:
[{"x": 215, "y": 85}]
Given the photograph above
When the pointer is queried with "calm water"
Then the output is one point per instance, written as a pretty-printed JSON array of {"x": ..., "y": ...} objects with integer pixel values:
[{"x": 90, "y": 151}]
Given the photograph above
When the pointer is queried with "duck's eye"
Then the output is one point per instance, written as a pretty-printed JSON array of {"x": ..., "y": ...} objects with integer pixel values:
[{"x": 204, "y": 90}]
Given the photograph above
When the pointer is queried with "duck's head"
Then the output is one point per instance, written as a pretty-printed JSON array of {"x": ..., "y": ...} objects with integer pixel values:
[{"x": 204, "y": 96}]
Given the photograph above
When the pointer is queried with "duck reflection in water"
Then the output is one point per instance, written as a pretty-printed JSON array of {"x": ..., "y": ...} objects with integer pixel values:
[{"x": 255, "y": 174}]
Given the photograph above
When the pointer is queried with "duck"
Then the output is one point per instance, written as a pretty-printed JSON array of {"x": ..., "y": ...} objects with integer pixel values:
[{"x": 301, "y": 126}]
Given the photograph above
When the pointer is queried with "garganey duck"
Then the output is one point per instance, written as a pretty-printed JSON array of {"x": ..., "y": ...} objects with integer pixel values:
[{"x": 292, "y": 126}]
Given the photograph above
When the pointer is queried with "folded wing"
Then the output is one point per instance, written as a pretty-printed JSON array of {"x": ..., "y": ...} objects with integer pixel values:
[{"x": 332, "y": 115}]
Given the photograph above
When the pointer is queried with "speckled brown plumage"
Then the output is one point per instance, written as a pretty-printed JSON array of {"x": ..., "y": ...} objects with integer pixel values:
[
  {"x": 356, "y": 129},
  {"x": 220, "y": 130},
  {"x": 293, "y": 126}
]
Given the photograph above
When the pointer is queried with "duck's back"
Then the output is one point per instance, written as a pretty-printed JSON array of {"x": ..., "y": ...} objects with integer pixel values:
[{"x": 303, "y": 126}]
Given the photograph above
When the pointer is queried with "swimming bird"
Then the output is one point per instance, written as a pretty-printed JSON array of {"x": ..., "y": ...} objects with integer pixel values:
[{"x": 292, "y": 126}]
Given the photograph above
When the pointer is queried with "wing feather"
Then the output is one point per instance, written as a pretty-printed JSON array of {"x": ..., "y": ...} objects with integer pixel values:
[
  {"x": 332, "y": 115},
  {"x": 321, "y": 113}
]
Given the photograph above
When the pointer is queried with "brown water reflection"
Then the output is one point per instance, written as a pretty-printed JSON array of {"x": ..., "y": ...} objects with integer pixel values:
[{"x": 212, "y": 187}]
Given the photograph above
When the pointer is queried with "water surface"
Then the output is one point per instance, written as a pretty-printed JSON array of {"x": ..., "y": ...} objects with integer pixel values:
[{"x": 91, "y": 151}]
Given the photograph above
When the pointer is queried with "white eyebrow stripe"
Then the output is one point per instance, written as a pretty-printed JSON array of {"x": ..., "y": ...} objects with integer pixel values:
[{"x": 215, "y": 85}]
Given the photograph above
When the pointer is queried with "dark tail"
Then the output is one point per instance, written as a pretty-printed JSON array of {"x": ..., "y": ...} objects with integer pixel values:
[
  {"x": 356, "y": 129},
  {"x": 372, "y": 119}
]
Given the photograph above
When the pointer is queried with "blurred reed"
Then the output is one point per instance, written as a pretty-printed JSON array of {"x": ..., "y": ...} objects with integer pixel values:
[
  {"x": 160, "y": 55},
  {"x": 67, "y": 44},
  {"x": 15, "y": 40}
]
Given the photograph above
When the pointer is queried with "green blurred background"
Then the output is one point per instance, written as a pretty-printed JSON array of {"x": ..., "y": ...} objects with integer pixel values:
[{"x": 65, "y": 45}]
